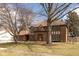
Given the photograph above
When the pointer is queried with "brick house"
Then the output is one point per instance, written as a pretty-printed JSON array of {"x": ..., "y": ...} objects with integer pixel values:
[
  {"x": 39, "y": 32},
  {"x": 59, "y": 31}
]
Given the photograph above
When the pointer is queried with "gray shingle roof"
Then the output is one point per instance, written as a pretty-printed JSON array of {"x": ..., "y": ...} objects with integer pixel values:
[
  {"x": 24, "y": 33},
  {"x": 44, "y": 23}
]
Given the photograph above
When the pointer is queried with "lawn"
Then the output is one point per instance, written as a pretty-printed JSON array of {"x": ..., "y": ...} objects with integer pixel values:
[{"x": 39, "y": 49}]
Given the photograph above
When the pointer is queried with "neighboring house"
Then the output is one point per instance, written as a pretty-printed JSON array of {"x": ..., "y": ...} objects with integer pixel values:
[
  {"x": 59, "y": 31},
  {"x": 5, "y": 36}
]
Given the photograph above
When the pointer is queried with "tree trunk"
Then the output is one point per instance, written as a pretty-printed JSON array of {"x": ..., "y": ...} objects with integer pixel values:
[
  {"x": 15, "y": 39},
  {"x": 49, "y": 40}
]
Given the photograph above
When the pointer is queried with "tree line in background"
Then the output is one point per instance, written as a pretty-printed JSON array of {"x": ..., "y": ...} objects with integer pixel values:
[{"x": 73, "y": 24}]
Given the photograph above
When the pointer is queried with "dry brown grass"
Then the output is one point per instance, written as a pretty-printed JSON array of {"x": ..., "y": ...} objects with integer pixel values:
[{"x": 39, "y": 48}]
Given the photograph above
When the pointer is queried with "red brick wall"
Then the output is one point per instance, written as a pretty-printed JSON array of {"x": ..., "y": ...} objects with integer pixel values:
[
  {"x": 63, "y": 33},
  {"x": 43, "y": 38}
]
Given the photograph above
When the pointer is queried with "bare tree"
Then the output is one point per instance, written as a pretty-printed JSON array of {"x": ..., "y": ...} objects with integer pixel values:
[
  {"x": 15, "y": 19},
  {"x": 54, "y": 11}
]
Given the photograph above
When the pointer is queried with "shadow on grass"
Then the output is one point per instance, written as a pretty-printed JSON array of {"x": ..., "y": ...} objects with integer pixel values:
[
  {"x": 29, "y": 44},
  {"x": 40, "y": 43},
  {"x": 7, "y": 44}
]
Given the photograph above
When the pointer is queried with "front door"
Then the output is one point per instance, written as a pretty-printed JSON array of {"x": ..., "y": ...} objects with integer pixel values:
[{"x": 40, "y": 37}]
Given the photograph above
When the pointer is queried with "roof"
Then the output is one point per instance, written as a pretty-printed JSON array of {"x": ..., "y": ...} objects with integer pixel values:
[
  {"x": 44, "y": 23},
  {"x": 24, "y": 32}
]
